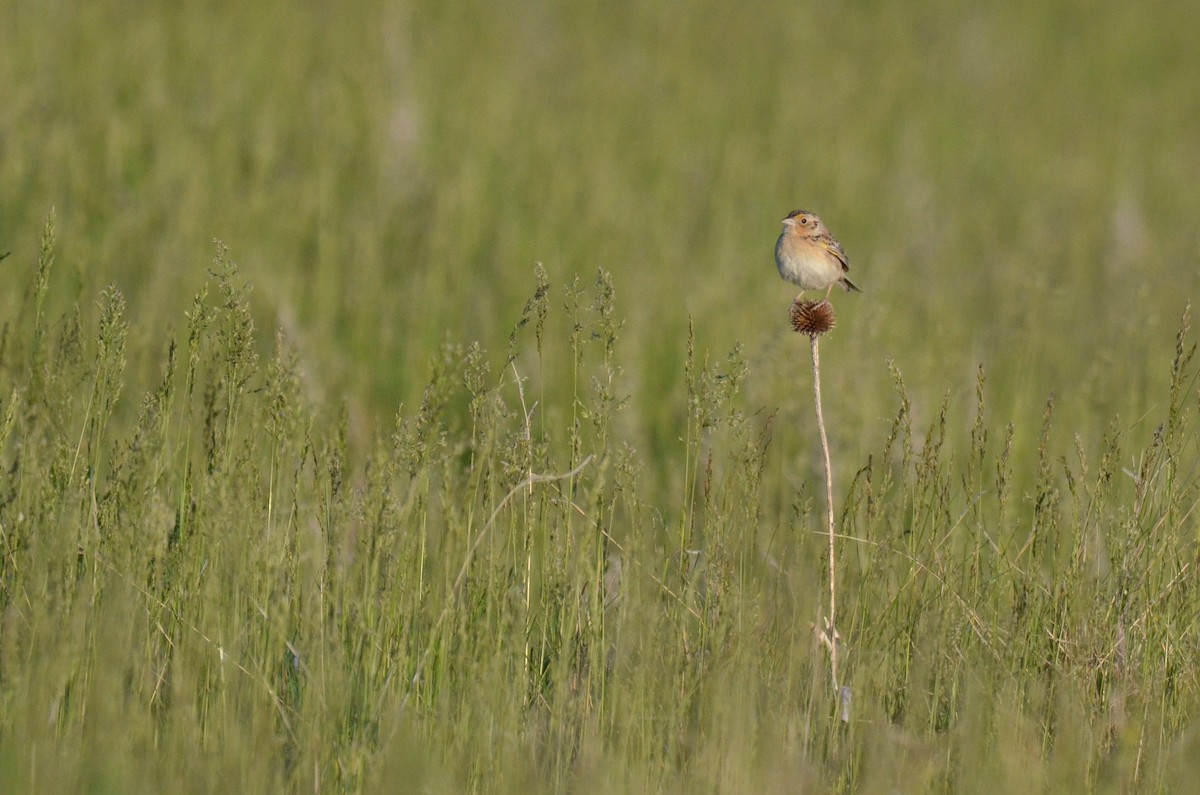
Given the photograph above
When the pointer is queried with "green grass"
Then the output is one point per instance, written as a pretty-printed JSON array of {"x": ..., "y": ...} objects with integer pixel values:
[{"x": 491, "y": 463}]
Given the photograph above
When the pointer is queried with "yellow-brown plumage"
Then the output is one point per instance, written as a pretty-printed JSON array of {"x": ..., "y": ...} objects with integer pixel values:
[{"x": 809, "y": 257}]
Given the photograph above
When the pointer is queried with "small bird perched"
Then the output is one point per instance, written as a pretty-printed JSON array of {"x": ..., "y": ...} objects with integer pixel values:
[{"x": 808, "y": 256}]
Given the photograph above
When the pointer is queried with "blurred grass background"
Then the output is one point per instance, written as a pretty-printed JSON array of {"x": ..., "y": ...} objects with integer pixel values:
[{"x": 1015, "y": 185}]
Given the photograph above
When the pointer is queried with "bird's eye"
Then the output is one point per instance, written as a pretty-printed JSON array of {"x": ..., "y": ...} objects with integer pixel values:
[{"x": 804, "y": 220}]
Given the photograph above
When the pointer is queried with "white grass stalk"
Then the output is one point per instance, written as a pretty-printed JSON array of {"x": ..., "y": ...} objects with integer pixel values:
[{"x": 828, "y": 634}]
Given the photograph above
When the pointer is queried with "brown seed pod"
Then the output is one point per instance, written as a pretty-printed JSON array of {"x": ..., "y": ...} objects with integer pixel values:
[{"x": 813, "y": 318}]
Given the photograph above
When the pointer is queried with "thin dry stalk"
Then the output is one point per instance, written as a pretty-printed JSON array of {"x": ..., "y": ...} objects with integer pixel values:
[
  {"x": 814, "y": 319},
  {"x": 829, "y": 635},
  {"x": 434, "y": 637}
]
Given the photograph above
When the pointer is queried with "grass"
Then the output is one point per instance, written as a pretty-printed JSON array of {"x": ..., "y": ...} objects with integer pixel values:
[{"x": 479, "y": 456}]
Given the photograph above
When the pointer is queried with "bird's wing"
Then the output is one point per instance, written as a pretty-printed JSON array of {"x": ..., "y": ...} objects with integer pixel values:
[{"x": 835, "y": 248}]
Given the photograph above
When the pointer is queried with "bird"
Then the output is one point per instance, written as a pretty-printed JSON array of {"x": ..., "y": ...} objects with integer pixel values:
[{"x": 808, "y": 256}]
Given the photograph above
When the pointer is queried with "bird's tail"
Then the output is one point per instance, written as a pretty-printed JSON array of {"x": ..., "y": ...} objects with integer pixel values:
[{"x": 848, "y": 285}]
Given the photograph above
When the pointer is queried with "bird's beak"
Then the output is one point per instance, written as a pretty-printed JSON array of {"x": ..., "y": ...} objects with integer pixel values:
[{"x": 788, "y": 222}]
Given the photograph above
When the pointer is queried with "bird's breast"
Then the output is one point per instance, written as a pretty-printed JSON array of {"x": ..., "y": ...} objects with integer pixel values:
[{"x": 805, "y": 263}]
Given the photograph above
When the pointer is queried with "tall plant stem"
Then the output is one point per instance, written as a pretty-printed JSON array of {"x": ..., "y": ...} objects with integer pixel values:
[{"x": 829, "y": 635}]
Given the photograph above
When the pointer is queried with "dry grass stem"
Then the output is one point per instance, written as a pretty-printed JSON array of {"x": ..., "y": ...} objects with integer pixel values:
[{"x": 828, "y": 634}]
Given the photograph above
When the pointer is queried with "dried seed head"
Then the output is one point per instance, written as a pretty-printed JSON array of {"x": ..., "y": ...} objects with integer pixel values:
[{"x": 813, "y": 318}]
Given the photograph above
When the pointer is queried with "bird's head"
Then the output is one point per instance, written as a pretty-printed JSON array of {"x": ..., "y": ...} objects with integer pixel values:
[{"x": 804, "y": 223}]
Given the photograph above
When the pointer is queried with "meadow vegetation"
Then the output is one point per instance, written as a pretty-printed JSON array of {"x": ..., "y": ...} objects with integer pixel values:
[{"x": 403, "y": 398}]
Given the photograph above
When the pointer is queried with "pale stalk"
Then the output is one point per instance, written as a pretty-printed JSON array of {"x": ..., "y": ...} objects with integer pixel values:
[{"x": 829, "y": 634}]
